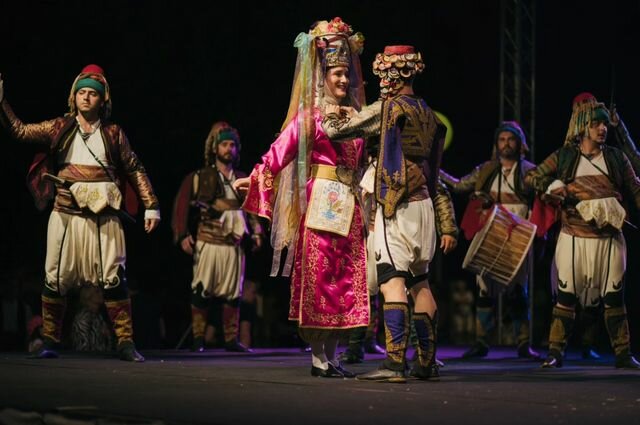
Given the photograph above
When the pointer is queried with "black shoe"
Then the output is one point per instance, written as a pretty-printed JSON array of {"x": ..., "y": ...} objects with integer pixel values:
[
  {"x": 237, "y": 347},
  {"x": 590, "y": 354},
  {"x": 329, "y": 372},
  {"x": 477, "y": 350},
  {"x": 526, "y": 352},
  {"x": 371, "y": 347},
  {"x": 382, "y": 374},
  {"x": 198, "y": 345},
  {"x": 128, "y": 353},
  {"x": 350, "y": 357},
  {"x": 627, "y": 362},
  {"x": 426, "y": 373},
  {"x": 414, "y": 358},
  {"x": 46, "y": 351},
  {"x": 346, "y": 373},
  {"x": 552, "y": 362}
]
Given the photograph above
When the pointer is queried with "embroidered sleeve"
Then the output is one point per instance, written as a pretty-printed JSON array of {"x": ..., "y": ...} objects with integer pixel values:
[
  {"x": 544, "y": 174},
  {"x": 262, "y": 187},
  {"x": 136, "y": 173},
  {"x": 631, "y": 180},
  {"x": 42, "y": 133},
  {"x": 364, "y": 124},
  {"x": 626, "y": 143},
  {"x": 445, "y": 213},
  {"x": 462, "y": 185}
]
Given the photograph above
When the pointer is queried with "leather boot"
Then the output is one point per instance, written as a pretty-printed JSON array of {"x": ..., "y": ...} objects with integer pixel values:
[
  {"x": 396, "y": 326},
  {"x": 562, "y": 321}
]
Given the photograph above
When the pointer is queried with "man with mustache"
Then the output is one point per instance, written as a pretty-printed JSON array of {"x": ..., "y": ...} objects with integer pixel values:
[
  {"x": 218, "y": 257},
  {"x": 592, "y": 178},
  {"x": 501, "y": 180}
]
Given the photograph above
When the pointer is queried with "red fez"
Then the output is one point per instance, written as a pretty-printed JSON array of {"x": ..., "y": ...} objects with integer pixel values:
[
  {"x": 583, "y": 97},
  {"x": 92, "y": 69},
  {"x": 398, "y": 50}
]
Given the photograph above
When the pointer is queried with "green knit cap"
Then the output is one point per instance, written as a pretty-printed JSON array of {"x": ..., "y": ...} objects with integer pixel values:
[{"x": 90, "y": 83}]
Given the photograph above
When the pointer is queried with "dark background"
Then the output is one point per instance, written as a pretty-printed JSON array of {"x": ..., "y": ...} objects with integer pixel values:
[{"x": 176, "y": 68}]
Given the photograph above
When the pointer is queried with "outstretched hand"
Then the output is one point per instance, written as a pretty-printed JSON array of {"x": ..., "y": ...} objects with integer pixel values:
[{"x": 242, "y": 184}]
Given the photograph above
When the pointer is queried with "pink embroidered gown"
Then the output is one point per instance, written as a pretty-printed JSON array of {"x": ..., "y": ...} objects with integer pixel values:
[{"x": 328, "y": 281}]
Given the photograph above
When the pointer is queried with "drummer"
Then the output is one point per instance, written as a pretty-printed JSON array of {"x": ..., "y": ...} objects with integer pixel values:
[
  {"x": 590, "y": 255},
  {"x": 499, "y": 180}
]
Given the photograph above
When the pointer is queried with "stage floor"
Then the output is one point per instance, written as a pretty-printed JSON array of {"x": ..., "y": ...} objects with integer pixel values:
[{"x": 274, "y": 386}]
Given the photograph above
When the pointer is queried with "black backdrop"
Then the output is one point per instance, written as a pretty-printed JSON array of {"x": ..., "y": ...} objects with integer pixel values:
[{"x": 175, "y": 68}]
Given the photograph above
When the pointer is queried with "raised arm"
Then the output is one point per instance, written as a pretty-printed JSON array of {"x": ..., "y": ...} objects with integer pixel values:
[
  {"x": 465, "y": 184},
  {"x": 260, "y": 186},
  {"x": 347, "y": 126},
  {"x": 631, "y": 181},
  {"x": 624, "y": 140},
  {"x": 41, "y": 133}
]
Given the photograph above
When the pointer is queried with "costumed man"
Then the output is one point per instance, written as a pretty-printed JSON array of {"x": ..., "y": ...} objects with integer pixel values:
[
  {"x": 591, "y": 179},
  {"x": 306, "y": 185},
  {"x": 89, "y": 169},
  {"x": 405, "y": 186},
  {"x": 588, "y": 317},
  {"x": 218, "y": 257},
  {"x": 500, "y": 180}
]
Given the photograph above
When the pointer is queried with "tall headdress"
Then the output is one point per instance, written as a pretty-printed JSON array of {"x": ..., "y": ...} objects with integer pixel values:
[
  {"x": 327, "y": 44},
  {"x": 514, "y": 128},
  {"x": 220, "y": 131},
  {"x": 395, "y": 66},
  {"x": 91, "y": 76},
  {"x": 585, "y": 110}
]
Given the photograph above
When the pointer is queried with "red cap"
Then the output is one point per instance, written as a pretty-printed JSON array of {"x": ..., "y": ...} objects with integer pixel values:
[
  {"x": 398, "y": 50},
  {"x": 92, "y": 69},
  {"x": 582, "y": 97}
]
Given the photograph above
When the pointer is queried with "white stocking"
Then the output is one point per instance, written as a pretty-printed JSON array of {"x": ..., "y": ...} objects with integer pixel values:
[{"x": 318, "y": 357}]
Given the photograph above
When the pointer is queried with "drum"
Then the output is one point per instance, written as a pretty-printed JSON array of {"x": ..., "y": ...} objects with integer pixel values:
[{"x": 498, "y": 250}]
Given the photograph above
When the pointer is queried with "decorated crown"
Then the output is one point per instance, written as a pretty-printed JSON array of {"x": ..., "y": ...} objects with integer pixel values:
[
  {"x": 335, "y": 26},
  {"x": 336, "y": 41},
  {"x": 336, "y": 56}
]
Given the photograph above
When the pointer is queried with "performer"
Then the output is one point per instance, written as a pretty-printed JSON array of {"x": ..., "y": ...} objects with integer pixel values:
[
  {"x": 218, "y": 258},
  {"x": 501, "y": 180},
  {"x": 306, "y": 185},
  {"x": 592, "y": 178},
  {"x": 91, "y": 162},
  {"x": 403, "y": 182}
]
